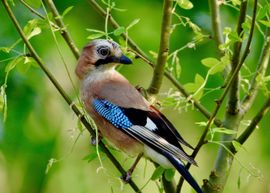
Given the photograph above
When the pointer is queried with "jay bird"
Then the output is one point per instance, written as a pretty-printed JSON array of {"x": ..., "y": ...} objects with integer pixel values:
[{"x": 124, "y": 117}]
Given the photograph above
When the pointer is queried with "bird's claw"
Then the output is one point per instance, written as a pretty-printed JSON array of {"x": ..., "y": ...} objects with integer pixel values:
[{"x": 126, "y": 177}]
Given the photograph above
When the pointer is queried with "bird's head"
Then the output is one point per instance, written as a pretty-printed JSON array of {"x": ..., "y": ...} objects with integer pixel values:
[{"x": 100, "y": 55}]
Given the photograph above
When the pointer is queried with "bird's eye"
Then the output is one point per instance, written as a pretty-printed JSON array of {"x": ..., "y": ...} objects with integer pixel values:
[{"x": 104, "y": 51}]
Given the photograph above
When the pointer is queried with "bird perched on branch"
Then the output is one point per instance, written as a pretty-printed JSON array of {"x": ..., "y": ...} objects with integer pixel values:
[{"x": 123, "y": 115}]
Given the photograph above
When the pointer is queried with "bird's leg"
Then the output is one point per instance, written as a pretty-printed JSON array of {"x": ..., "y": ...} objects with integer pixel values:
[
  {"x": 93, "y": 140},
  {"x": 127, "y": 176}
]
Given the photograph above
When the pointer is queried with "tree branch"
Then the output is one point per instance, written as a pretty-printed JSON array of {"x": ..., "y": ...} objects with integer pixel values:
[
  {"x": 163, "y": 52},
  {"x": 229, "y": 86},
  {"x": 233, "y": 102},
  {"x": 63, "y": 93},
  {"x": 216, "y": 23},
  {"x": 252, "y": 126},
  {"x": 63, "y": 29},
  {"x": 233, "y": 116},
  {"x": 260, "y": 71}
]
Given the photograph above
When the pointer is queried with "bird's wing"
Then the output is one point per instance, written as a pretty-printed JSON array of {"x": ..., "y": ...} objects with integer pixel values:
[
  {"x": 137, "y": 124},
  {"x": 166, "y": 125},
  {"x": 134, "y": 104}
]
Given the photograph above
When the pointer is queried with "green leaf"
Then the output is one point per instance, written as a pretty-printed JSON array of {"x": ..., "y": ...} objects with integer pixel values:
[
  {"x": 154, "y": 54},
  {"x": 264, "y": 22},
  {"x": 90, "y": 157},
  {"x": 119, "y": 31},
  {"x": 190, "y": 87},
  {"x": 67, "y": 10},
  {"x": 134, "y": 22},
  {"x": 32, "y": 29},
  {"x": 218, "y": 68},
  {"x": 34, "y": 32},
  {"x": 185, "y": 4},
  {"x": 262, "y": 12},
  {"x": 201, "y": 124},
  {"x": 210, "y": 62},
  {"x": 237, "y": 146},
  {"x": 34, "y": 3},
  {"x": 199, "y": 80},
  {"x": 223, "y": 130},
  {"x": 236, "y": 2},
  {"x": 193, "y": 87},
  {"x": 12, "y": 64},
  {"x": 95, "y": 36},
  {"x": 169, "y": 174},
  {"x": 157, "y": 173}
]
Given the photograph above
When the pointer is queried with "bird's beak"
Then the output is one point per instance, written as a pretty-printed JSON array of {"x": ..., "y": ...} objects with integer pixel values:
[{"x": 124, "y": 60}]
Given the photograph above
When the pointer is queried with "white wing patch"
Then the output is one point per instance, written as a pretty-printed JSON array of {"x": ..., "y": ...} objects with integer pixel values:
[{"x": 150, "y": 125}]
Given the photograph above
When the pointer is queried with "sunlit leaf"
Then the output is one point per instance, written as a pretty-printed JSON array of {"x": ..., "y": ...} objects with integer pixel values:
[
  {"x": 34, "y": 3},
  {"x": 12, "y": 64},
  {"x": 157, "y": 173},
  {"x": 119, "y": 31},
  {"x": 236, "y": 2},
  {"x": 32, "y": 28},
  {"x": 90, "y": 157},
  {"x": 67, "y": 10},
  {"x": 154, "y": 54},
  {"x": 169, "y": 174},
  {"x": 217, "y": 68},
  {"x": 201, "y": 124},
  {"x": 134, "y": 22},
  {"x": 34, "y": 32},
  {"x": 95, "y": 36},
  {"x": 210, "y": 62},
  {"x": 264, "y": 22},
  {"x": 199, "y": 80},
  {"x": 262, "y": 12},
  {"x": 237, "y": 146},
  {"x": 185, "y": 4},
  {"x": 223, "y": 130}
]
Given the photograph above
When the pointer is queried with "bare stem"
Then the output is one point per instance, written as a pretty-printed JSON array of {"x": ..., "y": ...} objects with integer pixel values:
[
  {"x": 63, "y": 29},
  {"x": 216, "y": 23},
  {"x": 159, "y": 68},
  {"x": 63, "y": 93},
  {"x": 252, "y": 126}
]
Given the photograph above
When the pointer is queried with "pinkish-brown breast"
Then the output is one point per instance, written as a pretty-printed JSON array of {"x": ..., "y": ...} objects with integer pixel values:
[{"x": 116, "y": 89}]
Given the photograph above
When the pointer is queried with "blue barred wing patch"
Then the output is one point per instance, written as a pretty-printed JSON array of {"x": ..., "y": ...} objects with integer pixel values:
[{"x": 113, "y": 113}]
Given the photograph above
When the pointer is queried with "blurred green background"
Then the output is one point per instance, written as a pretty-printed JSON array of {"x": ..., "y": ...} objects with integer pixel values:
[{"x": 40, "y": 126}]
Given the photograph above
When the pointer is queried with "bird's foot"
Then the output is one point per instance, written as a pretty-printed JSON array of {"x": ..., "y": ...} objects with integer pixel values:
[
  {"x": 94, "y": 141},
  {"x": 126, "y": 177}
]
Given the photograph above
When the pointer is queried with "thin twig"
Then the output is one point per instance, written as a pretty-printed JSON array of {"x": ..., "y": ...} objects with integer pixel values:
[
  {"x": 252, "y": 126},
  {"x": 163, "y": 52},
  {"x": 63, "y": 93},
  {"x": 63, "y": 29},
  {"x": 145, "y": 58}
]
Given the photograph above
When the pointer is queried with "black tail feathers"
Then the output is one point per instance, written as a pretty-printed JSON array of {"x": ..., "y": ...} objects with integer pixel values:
[{"x": 184, "y": 172}]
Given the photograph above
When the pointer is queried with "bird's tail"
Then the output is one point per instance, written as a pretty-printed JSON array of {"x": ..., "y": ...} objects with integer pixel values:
[{"x": 183, "y": 171}]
